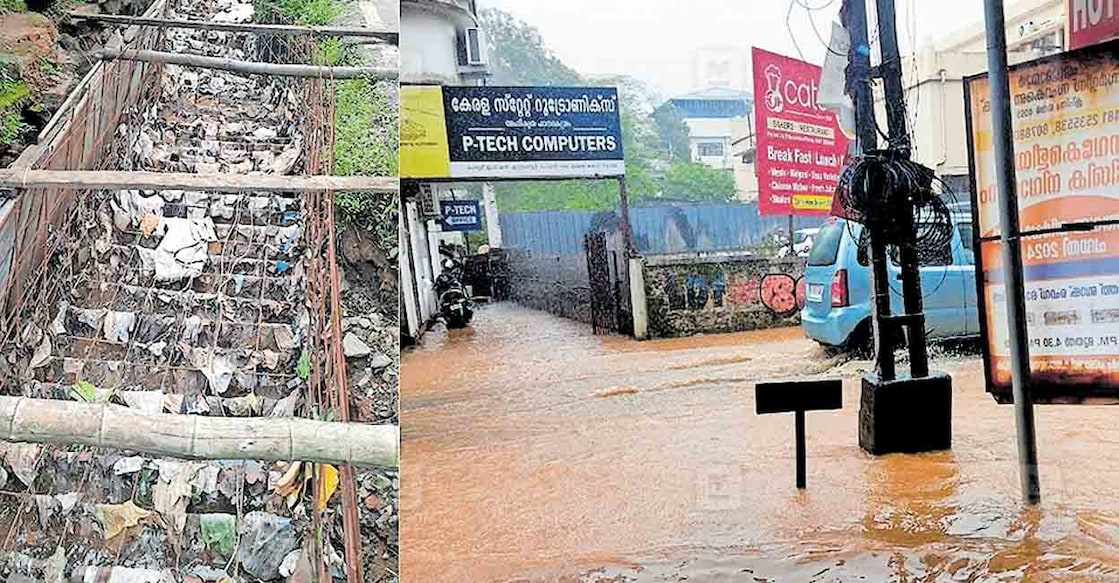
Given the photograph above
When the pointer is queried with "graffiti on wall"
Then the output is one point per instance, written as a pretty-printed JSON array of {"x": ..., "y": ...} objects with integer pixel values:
[
  {"x": 781, "y": 293},
  {"x": 745, "y": 290},
  {"x": 687, "y": 297}
]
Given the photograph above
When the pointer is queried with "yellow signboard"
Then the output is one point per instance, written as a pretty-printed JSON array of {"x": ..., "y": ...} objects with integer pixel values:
[{"x": 423, "y": 133}]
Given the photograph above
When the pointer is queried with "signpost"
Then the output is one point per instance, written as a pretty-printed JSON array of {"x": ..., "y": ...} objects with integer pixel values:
[
  {"x": 801, "y": 147},
  {"x": 798, "y": 397},
  {"x": 1065, "y": 128},
  {"x": 461, "y": 215}
]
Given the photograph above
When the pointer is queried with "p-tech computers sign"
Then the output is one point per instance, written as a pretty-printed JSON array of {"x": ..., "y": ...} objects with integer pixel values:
[
  {"x": 800, "y": 147},
  {"x": 1066, "y": 156},
  {"x": 510, "y": 133}
]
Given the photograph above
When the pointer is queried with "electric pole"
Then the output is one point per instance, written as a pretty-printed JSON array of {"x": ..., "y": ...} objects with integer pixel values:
[
  {"x": 914, "y": 413},
  {"x": 858, "y": 86},
  {"x": 890, "y": 70}
]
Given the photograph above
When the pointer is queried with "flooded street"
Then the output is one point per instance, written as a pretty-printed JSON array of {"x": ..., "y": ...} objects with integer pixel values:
[{"x": 535, "y": 451}]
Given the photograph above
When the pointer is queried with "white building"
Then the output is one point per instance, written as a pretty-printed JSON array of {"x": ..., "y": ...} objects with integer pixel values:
[
  {"x": 743, "y": 148},
  {"x": 445, "y": 47},
  {"x": 710, "y": 115},
  {"x": 717, "y": 119},
  {"x": 934, "y": 85}
]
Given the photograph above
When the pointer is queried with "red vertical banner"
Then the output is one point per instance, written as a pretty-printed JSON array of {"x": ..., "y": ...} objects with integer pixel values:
[{"x": 800, "y": 145}]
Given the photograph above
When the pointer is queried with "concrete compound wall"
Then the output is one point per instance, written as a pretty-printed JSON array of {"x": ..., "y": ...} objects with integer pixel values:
[{"x": 686, "y": 295}]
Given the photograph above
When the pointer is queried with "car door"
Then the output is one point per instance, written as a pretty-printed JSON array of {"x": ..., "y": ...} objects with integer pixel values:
[
  {"x": 942, "y": 290},
  {"x": 966, "y": 259}
]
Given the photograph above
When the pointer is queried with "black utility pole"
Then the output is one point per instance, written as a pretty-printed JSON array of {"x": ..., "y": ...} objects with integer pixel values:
[
  {"x": 1003, "y": 141},
  {"x": 858, "y": 85},
  {"x": 914, "y": 413},
  {"x": 890, "y": 71}
]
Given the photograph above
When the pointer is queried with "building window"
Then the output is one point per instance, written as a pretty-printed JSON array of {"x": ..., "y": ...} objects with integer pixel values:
[{"x": 709, "y": 149}]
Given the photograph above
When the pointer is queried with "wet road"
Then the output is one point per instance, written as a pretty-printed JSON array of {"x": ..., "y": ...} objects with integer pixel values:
[{"x": 534, "y": 451}]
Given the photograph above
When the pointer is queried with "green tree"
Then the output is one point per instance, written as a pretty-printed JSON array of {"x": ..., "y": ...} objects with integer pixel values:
[
  {"x": 654, "y": 141},
  {"x": 518, "y": 56},
  {"x": 699, "y": 183},
  {"x": 672, "y": 133}
]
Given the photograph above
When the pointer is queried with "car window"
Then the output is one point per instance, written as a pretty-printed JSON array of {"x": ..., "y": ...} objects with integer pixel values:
[
  {"x": 935, "y": 256},
  {"x": 969, "y": 257},
  {"x": 966, "y": 235},
  {"x": 825, "y": 248},
  {"x": 927, "y": 256}
]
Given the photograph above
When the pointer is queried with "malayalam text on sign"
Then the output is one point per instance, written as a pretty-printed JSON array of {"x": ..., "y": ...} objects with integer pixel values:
[
  {"x": 1066, "y": 144},
  {"x": 511, "y": 133}
]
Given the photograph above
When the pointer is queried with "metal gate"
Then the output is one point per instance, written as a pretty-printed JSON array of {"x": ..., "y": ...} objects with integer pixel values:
[{"x": 608, "y": 278}]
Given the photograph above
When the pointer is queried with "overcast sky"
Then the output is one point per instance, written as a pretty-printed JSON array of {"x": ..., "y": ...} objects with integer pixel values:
[{"x": 657, "y": 40}]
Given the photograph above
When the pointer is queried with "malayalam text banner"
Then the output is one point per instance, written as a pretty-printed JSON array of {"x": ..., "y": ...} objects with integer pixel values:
[{"x": 1066, "y": 157}]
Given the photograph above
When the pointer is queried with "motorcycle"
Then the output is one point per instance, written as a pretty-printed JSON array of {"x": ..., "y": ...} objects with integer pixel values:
[{"x": 454, "y": 302}]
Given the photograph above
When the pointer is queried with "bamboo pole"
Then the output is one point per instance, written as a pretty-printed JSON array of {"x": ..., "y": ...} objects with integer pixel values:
[
  {"x": 114, "y": 180},
  {"x": 391, "y": 36},
  {"x": 249, "y": 67},
  {"x": 58, "y": 422}
]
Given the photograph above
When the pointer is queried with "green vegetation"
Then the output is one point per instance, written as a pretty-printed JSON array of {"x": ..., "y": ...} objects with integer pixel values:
[
  {"x": 365, "y": 121},
  {"x": 371, "y": 212},
  {"x": 691, "y": 181},
  {"x": 365, "y": 144},
  {"x": 672, "y": 133},
  {"x": 46, "y": 66},
  {"x": 518, "y": 55},
  {"x": 13, "y": 96},
  {"x": 303, "y": 367},
  {"x": 654, "y": 141},
  {"x": 365, "y": 129},
  {"x": 9, "y": 6},
  {"x": 330, "y": 52},
  {"x": 310, "y": 12}
]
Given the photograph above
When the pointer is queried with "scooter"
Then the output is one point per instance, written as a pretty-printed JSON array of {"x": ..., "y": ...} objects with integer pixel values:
[{"x": 454, "y": 302}]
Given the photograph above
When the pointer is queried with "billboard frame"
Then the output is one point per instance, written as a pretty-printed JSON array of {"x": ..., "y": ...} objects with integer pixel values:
[{"x": 1043, "y": 392}]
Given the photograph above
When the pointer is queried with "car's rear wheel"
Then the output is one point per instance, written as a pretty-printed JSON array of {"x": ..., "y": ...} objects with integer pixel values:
[{"x": 861, "y": 341}]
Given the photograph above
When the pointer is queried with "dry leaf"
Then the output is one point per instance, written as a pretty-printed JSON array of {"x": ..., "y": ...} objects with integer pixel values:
[
  {"x": 328, "y": 482},
  {"x": 172, "y": 492},
  {"x": 115, "y": 518},
  {"x": 290, "y": 480},
  {"x": 148, "y": 224}
]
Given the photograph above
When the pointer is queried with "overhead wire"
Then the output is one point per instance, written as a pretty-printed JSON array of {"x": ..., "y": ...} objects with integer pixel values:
[
  {"x": 900, "y": 181},
  {"x": 812, "y": 21}
]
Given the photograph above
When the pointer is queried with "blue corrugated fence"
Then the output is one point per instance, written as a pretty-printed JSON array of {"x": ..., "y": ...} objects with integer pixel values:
[{"x": 657, "y": 230}]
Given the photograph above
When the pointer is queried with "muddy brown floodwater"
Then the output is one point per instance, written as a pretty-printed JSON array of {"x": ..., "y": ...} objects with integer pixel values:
[{"x": 534, "y": 451}]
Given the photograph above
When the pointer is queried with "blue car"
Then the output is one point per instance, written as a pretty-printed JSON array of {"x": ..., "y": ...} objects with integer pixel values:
[{"x": 838, "y": 286}]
